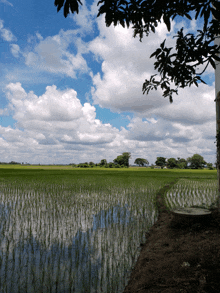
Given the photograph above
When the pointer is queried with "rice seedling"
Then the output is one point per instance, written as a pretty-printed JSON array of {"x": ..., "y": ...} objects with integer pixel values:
[{"x": 188, "y": 193}]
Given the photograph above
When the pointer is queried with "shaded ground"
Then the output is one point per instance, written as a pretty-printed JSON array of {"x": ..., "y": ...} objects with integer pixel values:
[{"x": 178, "y": 257}]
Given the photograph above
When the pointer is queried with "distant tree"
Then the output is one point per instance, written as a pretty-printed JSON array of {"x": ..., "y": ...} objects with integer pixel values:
[
  {"x": 171, "y": 163},
  {"x": 210, "y": 166},
  {"x": 123, "y": 159},
  {"x": 111, "y": 165},
  {"x": 83, "y": 165},
  {"x": 103, "y": 162},
  {"x": 181, "y": 163},
  {"x": 126, "y": 157},
  {"x": 119, "y": 160},
  {"x": 196, "y": 162},
  {"x": 141, "y": 162},
  {"x": 91, "y": 164},
  {"x": 161, "y": 161},
  {"x": 152, "y": 166}
]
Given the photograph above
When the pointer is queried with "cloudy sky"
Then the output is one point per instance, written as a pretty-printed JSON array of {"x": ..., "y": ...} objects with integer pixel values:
[{"x": 71, "y": 91}]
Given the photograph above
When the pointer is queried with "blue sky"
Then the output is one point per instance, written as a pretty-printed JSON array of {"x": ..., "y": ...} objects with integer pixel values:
[{"x": 70, "y": 91}]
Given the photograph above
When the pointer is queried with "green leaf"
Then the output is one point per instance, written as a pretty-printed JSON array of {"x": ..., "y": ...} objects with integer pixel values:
[
  {"x": 153, "y": 29},
  {"x": 127, "y": 22},
  {"x": 66, "y": 8},
  {"x": 166, "y": 19},
  {"x": 157, "y": 52},
  {"x": 212, "y": 62},
  {"x": 206, "y": 17},
  {"x": 162, "y": 44},
  {"x": 215, "y": 13},
  {"x": 101, "y": 10},
  {"x": 202, "y": 81},
  {"x": 74, "y": 7},
  {"x": 197, "y": 12},
  {"x": 216, "y": 57},
  {"x": 101, "y": 1},
  {"x": 216, "y": 4},
  {"x": 195, "y": 82},
  {"x": 203, "y": 10},
  {"x": 174, "y": 15},
  {"x": 122, "y": 22},
  {"x": 188, "y": 16},
  {"x": 59, "y": 4}
]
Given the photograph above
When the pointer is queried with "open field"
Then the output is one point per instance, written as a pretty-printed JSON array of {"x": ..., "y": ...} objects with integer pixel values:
[
  {"x": 43, "y": 167},
  {"x": 69, "y": 167},
  {"x": 57, "y": 223}
]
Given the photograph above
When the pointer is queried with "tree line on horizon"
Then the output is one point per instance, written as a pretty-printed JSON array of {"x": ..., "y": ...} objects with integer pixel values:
[
  {"x": 194, "y": 162},
  {"x": 122, "y": 161}
]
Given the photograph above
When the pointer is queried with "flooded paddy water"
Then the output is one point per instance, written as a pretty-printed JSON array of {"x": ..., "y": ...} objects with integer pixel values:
[{"x": 54, "y": 240}]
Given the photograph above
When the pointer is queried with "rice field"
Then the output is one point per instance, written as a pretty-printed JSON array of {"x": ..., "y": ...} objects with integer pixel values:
[
  {"x": 71, "y": 237},
  {"x": 78, "y": 231},
  {"x": 188, "y": 193}
]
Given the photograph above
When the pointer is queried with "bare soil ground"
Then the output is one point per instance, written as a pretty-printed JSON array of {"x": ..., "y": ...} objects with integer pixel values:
[{"x": 178, "y": 256}]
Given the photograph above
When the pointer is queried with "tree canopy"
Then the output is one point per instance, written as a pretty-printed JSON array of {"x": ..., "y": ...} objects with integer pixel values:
[
  {"x": 171, "y": 163},
  {"x": 196, "y": 162},
  {"x": 179, "y": 163},
  {"x": 141, "y": 162},
  {"x": 161, "y": 161},
  {"x": 123, "y": 160},
  {"x": 177, "y": 67},
  {"x": 103, "y": 162}
]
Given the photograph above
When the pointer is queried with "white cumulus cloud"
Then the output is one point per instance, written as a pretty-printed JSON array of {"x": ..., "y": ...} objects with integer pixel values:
[
  {"x": 55, "y": 122},
  {"x": 51, "y": 54},
  {"x": 6, "y": 34},
  {"x": 15, "y": 50}
]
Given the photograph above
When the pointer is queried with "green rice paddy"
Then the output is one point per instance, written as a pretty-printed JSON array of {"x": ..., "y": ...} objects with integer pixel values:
[
  {"x": 80, "y": 230},
  {"x": 188, "y": 193}
]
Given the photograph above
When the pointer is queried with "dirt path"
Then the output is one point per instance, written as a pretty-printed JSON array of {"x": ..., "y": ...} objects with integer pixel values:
[{"x": 178, "y": 257}]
